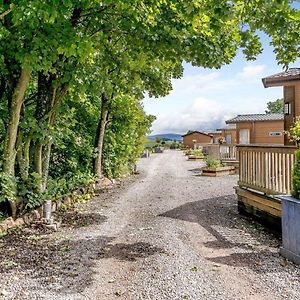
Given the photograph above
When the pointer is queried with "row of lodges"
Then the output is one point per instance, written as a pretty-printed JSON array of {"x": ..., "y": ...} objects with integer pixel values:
[
  {"x": 243, "y": 129},
  {"x": 264, "y": 129}
]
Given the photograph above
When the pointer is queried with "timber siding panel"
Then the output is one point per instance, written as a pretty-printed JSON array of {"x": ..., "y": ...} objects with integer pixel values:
[{"x": 260, "y": 132}]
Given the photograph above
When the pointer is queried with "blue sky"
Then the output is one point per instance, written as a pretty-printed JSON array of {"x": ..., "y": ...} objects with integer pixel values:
[{"x": 204, "y": 98}]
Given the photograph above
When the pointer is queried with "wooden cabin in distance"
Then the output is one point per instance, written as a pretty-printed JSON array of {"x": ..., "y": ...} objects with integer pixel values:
[
  {"x": 192, "y": 138},
  {"x": 290, "y": 80},
  {"x": 216, "y": 135},
  {"x": 229, "y": 133},
  {"x": 259, "y": 129}
]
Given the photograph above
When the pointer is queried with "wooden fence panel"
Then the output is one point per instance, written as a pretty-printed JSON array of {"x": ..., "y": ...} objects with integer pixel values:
[{"x": 266, "y": 168}]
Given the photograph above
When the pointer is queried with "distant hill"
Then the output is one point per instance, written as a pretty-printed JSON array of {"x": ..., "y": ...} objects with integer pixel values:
[{"x": 166, "y": 137}]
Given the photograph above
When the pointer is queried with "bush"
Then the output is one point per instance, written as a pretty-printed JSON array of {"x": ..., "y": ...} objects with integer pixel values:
[
  {"x": 212, "y": 163},
  {"x": 197, "y": 152},
  {"x": 294, "y": 135},
  {"x": 296, "y": 176}
]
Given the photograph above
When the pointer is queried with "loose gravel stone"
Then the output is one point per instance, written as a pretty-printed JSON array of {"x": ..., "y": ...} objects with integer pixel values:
[{"x": 166, "y": 233}]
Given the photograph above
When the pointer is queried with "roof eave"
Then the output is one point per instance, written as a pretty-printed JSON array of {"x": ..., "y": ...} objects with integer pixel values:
[{"x": 271, "y": 82}]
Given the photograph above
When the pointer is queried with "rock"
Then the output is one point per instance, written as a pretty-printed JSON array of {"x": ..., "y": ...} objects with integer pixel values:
[
  {"x": 3, "y": 228},
  {"x": 9, "y": 223},
  {"x": 40, "y": 210},
  {"x": 50, "y": 226},
  {"x": 3, "y": 293},
  {"x": 105, "y": 182},
  {"x": 27, "y": 219},
  {"x": 35, "y": 215},
  {"x": 19, "y": 222},
  {"x": 67, "y": 201},
  {"x": 54, "y": 206},
  {"x": 58, "y": 204},
  {"x": 77, "y": 192}
]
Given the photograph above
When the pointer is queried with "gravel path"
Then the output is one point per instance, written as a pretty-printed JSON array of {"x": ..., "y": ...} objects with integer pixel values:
[{"x": 167, "y": 233}]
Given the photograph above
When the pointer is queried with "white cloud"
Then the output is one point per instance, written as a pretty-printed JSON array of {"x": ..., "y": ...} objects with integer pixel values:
[
  {"x": 251, "y": 73},
  {"x": 203, "y": 114},
  {"x": 205, "y": 101}
]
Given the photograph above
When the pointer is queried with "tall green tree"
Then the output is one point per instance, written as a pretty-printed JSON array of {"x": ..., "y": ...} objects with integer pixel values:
[{"x": 275, "y": 107}]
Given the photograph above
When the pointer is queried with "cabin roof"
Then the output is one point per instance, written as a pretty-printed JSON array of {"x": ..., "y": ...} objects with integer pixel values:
[
  {"x": 255, "y": 118},
  {"x": 191, "y": 132},
  {"x": 281, "y": 78},
  {"x": 228, "y": 127}
]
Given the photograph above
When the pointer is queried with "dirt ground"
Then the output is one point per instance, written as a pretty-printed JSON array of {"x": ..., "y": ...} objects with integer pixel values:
[{"x": 166, "y": 233}]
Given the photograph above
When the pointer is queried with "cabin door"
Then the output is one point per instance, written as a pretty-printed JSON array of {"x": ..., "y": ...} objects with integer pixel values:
[{"x": 245, "y": 136}]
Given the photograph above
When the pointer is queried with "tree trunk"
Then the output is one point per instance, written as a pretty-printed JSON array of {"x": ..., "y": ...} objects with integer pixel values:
[
  {"x": 46, "y": 164},
  {"x": 9, "y": 153},
  {"x": 26, "y": 158},
  {"x": 38, "y": 161},
  {"x": 100, "y": 136}
]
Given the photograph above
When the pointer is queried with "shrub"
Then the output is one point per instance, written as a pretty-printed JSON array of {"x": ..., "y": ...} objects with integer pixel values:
[
  {"x": 296, "y": 176},
  {"x": 212, "y": 163},
  {"x": 294, "y": 135}
]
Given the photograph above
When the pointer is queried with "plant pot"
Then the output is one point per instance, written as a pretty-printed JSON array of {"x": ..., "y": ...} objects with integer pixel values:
[
  {"x": 290, "y": 221},
  {"x": 218, "y": 171}
]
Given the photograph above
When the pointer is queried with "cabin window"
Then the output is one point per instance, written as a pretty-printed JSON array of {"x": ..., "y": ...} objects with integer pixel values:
[
  {"x": 287, "y": 108},
  {"x": 228, "y": 138},
  {"x": 275, "y": 133},
  {"x": 244, "y": 136}
]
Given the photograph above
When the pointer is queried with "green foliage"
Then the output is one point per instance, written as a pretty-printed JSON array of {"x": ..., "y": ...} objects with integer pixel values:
[
  {"x": 7, "y": 188},
  {"x": 294, "y": 132},
  {"x": 121, "y": 49},
  {"x": 212, "y": 163},
  {"x": 125, "y": 136},
  {"x": 28, "y": 190},
  {"x": 294, "y": 135},
  {"x": 296, "y": 176},
  {"x": 197, "y": 152},
  {"x": 275, "y": 106}
]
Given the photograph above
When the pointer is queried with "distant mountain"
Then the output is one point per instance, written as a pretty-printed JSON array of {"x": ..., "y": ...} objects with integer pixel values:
[{"x": 166, "y": 137}]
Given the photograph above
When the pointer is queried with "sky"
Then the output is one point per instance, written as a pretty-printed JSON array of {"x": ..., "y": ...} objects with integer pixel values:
[{"x": 204, "y": 98}]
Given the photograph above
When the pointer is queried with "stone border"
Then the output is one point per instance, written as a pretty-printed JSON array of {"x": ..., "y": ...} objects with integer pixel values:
[{"x": 36, "y": 215}]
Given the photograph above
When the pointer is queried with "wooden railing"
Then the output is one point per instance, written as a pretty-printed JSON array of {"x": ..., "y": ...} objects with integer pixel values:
[
  {"x": 266, "y": 168},
  {"x": 224, "y": 151},
  {"x": 228, "y": 152}
]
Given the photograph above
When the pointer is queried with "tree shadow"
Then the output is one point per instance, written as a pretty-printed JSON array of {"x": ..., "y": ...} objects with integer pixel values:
[
  {"x": 64, "y": 265},
  {"x": 76, "y": 219},
  {"x": 129, "y": 252},
  {"x": 219, "y": 216}
]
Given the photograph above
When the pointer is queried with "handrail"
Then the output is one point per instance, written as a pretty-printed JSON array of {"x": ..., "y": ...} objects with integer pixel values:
[{"x": 266, "y": 168}]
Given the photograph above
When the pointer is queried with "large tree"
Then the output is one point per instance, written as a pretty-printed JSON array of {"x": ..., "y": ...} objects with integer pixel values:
[{"x": 114, "y": 49}]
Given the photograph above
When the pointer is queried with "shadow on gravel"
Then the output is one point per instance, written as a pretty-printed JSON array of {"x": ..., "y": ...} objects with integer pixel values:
[
  {"x": 77, "y": 219},
  {"x": 219, "y": 216},
  {"x": 64, "y": 266},
  {"x": 130, "y": 252}
]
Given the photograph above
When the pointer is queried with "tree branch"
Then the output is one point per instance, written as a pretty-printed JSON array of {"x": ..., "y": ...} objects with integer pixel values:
[{"x": 2, "y": 15}]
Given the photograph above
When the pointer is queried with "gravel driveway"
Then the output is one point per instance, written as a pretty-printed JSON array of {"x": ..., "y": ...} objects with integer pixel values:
[{"x": 167, "y": 233}]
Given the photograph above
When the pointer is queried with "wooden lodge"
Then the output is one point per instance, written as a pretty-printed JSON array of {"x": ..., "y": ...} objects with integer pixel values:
[
  {"x": 195, "y": 139},
  {"x": 229, "y": 134},
  {"x": 266, "y": 168},
  {"x": 259, "y": 129}
]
